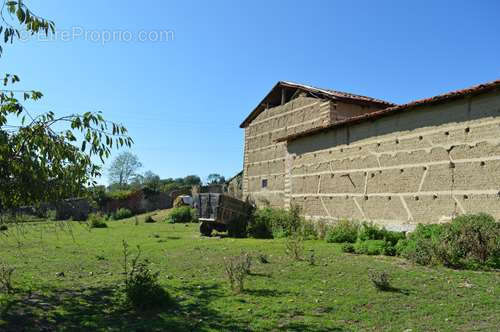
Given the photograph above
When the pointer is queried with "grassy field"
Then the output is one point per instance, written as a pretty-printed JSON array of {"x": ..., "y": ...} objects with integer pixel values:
[{"x": 70, "y": 280}]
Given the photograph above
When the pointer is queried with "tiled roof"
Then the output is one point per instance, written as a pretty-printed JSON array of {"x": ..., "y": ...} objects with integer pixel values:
[
  {"x": 475, "y": 90},
  {"x": 322, "y": 93},
  {"x": 336, "y": 94}
]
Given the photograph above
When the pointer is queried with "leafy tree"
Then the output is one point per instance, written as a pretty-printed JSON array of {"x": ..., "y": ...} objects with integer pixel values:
[
  {"x": 123, "y": 169},
  {"x": 45, "y": 157},
  {"x": 215, "y": 178},
  {"x": 152, "y": 181},
  {"x": 192, "y": 180}
]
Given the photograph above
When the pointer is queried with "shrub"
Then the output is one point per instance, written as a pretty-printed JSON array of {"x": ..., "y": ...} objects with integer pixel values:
[
  {"x": 183, "y": 214},
  {"x": 142, "y": 290},
  {"x": 420, "y": 245},
  {"x": 311, "y": 258},
  {"x": 342, "y": 231},
  {"x": 6, "y": 273},
  {"x": 370, "y": 247},
  {"x": 370, "y": 231},
  {"x": 51, "y": 215},
  {"x": 149, "y": 220},
  {"x": 322, "y": 228},
  {"x": 263, "y": 259},
  {"x": 237, "y": 268},
  {"x": 237, "y": 227},
  {"x": 308, "y": 230},
  {"x": 260, "y": 225},
  {"x": 295, "y": 247},
  {"x": 95, "y": 220},
  {"x": 347, "y": 247},
  {"x": 470, "y": 241},
  {"x": 381, "y": 281},
  {"x": 269, "y": 222},
  {"x": 122, "y": 213}
]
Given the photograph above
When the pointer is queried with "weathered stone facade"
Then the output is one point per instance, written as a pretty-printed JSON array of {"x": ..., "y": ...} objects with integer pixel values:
[{"x": 423, "y": 164}]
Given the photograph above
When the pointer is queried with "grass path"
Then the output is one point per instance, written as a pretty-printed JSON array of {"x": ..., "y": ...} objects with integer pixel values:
[{"x": 69, "y": 282}]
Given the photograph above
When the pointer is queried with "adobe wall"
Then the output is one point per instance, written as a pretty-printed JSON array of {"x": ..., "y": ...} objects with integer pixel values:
[
  {"x": 421, "y": 165},
  {"x": 264, "y": 158}
]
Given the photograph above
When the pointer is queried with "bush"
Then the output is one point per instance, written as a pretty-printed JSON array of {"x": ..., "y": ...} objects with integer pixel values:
[
  {"x": 370, "y": 231},
  {"x": 381, "y": 281},
  {"x": 295, "y": 247},
  {"x": 122, "y": 213},
  {"x": 347, "y": 247},
  {"x": 237, "y": 227},
  {"x": 341, "y": 232},
  {"x": 149, "y": 220},
  {"x": 370, "y": 247},
  {"x": 237, "y": 268},
  {"x": 322, "y": 228},
  {"x": 183, "y": 214},
  {"x": 6, "y": 272},
  {"x": 269, "y": 223},
  {"x": 95, "y": 220},
  {"x": 308, "y": 230},
  {"x": 142, "y": 290},
  {"x": 470, "y": 241},
  {"x": 420, "y": 245}
]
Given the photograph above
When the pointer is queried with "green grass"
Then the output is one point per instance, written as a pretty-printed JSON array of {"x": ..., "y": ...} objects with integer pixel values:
[{"x": 335, "y": 294}]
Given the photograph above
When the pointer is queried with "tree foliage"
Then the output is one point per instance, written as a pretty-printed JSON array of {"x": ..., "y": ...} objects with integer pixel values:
[
  {"x": 215, "y": 178},
  {"x": 45, "y": 157},
  {"x": 123, "y": 169}
]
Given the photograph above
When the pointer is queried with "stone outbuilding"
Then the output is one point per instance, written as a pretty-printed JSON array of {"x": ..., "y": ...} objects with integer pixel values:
[{"x": 340, "y": 155}]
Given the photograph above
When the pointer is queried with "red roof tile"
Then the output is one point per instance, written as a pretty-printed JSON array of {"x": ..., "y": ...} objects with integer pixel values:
[{"x": 475, "y": 90}]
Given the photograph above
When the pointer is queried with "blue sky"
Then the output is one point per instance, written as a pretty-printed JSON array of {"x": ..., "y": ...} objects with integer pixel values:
[{"x": 183, "y": 100}]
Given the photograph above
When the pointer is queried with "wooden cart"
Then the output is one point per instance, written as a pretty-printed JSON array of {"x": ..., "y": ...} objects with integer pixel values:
[{"x": 220, "y": 212}]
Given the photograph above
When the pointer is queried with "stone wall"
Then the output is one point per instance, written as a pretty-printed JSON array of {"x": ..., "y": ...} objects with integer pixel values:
[{"x": 421, "y": 165}]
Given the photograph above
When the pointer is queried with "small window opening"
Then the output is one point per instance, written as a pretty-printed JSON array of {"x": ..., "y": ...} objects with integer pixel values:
[{"x": 264, "y": 183}]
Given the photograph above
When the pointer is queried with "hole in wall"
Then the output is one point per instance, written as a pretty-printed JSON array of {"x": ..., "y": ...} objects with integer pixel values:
[
  {"x": 482, "y": 163},
  {"x": 434, "y": 196},
  {"x": 466, "y": 197},
  {"x": 397, "y": 141},
  {"x": 366, "y": 198},
  {"x": 467, "y": 130},
  {"x": 447, "y": 133},
  {"x": 389, "y": 198},
  {"x": 425, "y": 168},
  {"x": 401, "y": 170},
  {"x": 373, "y": 175},
  {"x": 420, "y": 138},
  {"x": 417, "y": 198}
]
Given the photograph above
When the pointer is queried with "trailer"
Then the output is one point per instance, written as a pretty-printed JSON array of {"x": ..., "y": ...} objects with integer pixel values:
[{"x": 221, "y": 212}]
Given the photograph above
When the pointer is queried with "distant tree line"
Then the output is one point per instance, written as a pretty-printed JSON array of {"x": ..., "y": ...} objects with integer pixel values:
[{"x": 124, "y": 175}]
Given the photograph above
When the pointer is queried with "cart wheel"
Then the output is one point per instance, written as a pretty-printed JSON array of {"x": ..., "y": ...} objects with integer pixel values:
[{"x": 205, "y": 229}]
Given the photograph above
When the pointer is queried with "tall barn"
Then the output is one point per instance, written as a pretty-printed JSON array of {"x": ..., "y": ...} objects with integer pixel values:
[{"x": 340, "y": 155}]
